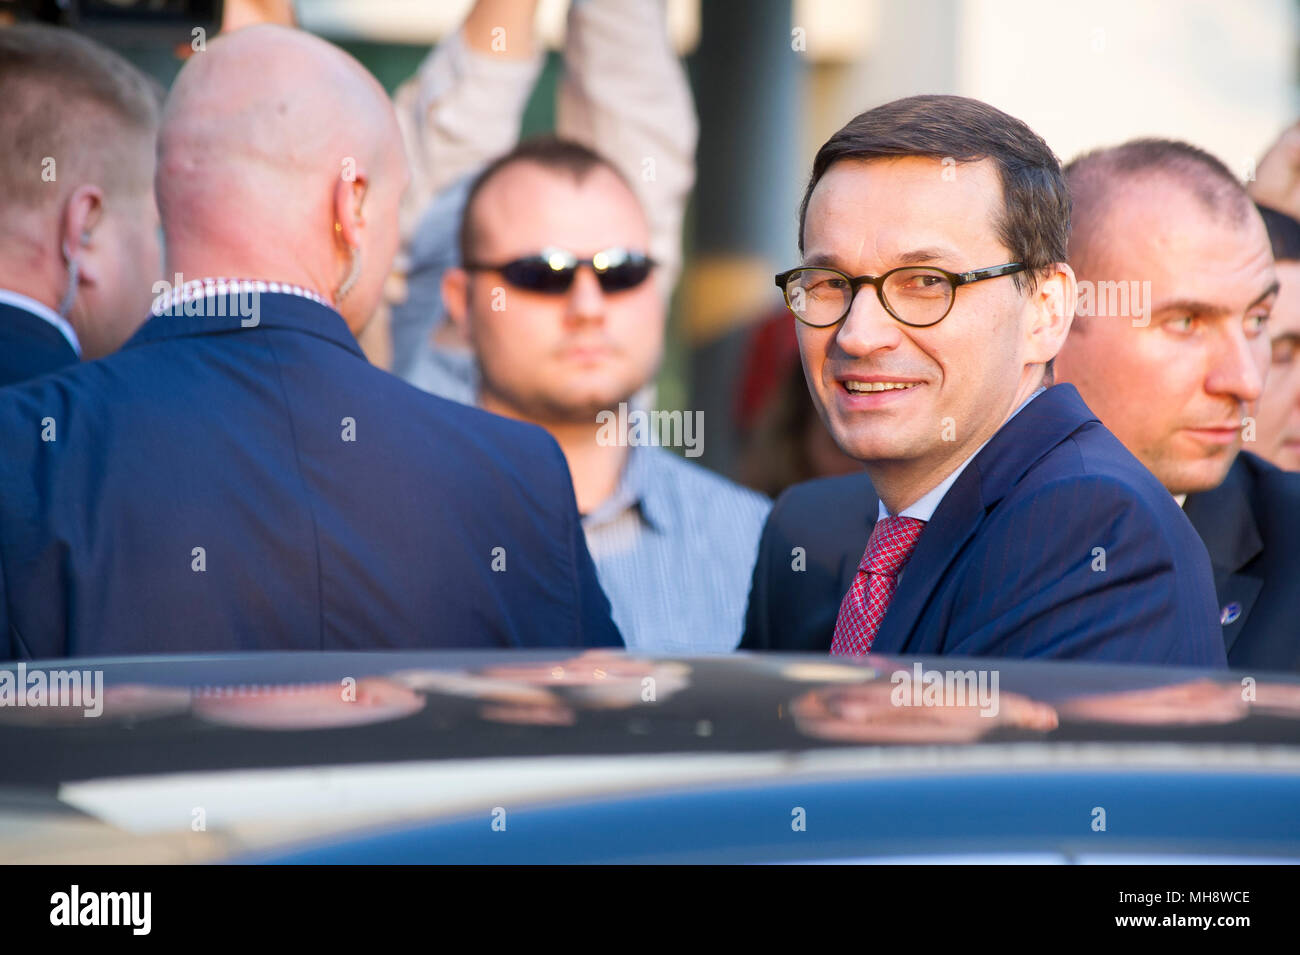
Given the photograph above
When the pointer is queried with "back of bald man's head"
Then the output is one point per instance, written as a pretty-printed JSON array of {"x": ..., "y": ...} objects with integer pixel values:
[
  {"x": 1097, "y": 181},
  {"x": 73, "y": 112},
  {"x": 256, "y": 134}
]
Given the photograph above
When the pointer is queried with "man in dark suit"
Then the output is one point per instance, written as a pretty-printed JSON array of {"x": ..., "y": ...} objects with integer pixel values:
[
  {"x": 237, "y": 476},
  {"x": 1175, "y": 368},
  {"x": 997, "y": 516},
  {"x": 34, "y": 339},
  {"x": 1277, "y": 438},
  {"x": 78, "y": 225},
  {"x": 1251, "y": 525},
  {"x": 1251, "y": 522}
]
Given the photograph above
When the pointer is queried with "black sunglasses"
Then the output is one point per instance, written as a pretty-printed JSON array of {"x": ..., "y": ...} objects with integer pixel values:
[{"x": 552, "y": 271}]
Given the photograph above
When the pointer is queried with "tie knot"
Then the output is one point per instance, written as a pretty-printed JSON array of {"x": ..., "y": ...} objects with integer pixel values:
[{"x": 891, "y": 544}]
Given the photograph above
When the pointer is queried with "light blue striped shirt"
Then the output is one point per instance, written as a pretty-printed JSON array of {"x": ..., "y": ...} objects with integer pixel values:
[{"x": 674, "y": 548}]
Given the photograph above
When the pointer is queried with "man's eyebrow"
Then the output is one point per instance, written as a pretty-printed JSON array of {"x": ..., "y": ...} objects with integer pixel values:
[
  {"x": 1190, "y": 306},
  {"x": 1271, "y": 290},
  {"x": 910, "y": 257},
  {"x": 916, "y": 256},
  {"x": 1207, "y": 309}
]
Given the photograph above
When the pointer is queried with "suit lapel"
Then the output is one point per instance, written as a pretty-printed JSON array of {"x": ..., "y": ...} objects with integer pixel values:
[
  {"x": 1225, "y": 521},
  {"x": 1024, "y": 440},
  {"x": 1237, "y": 595},
  {"x": 952, "y": 525}
]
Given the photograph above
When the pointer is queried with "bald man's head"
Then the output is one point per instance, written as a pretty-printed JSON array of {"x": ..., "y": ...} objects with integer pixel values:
[
  {"x": 280, "y": 158},
  {"x": 1100, "y": 180},
  {"x": 1169, "y": 344}
]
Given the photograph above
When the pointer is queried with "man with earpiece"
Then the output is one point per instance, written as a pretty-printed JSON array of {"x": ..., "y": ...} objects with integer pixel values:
[{"x": 79, "y": 247}]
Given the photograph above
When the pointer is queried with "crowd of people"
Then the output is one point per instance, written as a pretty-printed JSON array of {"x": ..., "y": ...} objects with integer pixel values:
[{"x": 1055, "y": 408}]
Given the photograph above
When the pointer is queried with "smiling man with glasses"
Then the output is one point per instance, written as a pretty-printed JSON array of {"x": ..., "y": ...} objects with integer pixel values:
[
  {"x": 557, "y": 300},
  {"x": 997, "y": 517}
]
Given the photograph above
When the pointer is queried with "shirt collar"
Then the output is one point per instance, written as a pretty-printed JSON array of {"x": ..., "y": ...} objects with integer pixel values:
[
  {"x": 246, "y": 305},
  {"x": 41, "y": 310},
  {"x": 924, "y": 509},
  {"x": 222, "y": 286},
  {"x": 639, "y": 488}
]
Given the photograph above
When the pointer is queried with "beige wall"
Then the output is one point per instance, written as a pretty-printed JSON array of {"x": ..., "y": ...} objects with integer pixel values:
[{"x": 1086, "y": 73}]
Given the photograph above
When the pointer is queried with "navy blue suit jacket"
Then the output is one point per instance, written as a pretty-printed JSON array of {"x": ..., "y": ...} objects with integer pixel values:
[
  {"x": 200, "y": 493},
  {"x": 1005, "y": 567},
  {"x": 30, "y": 346},
  {"x": 1251, "y": 526}
]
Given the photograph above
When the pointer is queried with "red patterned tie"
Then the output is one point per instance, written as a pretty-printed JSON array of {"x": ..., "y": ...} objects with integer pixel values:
[{"x": 864, "y": 606}]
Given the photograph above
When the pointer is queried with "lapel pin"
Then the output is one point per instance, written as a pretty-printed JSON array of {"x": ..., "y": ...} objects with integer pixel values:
[{"x": 1230, "y": 613}]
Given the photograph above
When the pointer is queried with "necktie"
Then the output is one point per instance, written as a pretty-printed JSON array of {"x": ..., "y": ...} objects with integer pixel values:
[{"x": 864, "y": 606}]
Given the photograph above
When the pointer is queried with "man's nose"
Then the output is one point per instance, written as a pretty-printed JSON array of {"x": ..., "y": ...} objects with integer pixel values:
[
  {"x": 1238, "y": 367},
  {"x": 586, "y": 302},
  {"x": 868, "y": 326}
]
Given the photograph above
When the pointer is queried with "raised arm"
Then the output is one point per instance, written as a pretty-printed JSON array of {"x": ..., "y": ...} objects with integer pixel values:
[
  {"x": 625, "y": 95},
  {"x": 464, "y": 105}
]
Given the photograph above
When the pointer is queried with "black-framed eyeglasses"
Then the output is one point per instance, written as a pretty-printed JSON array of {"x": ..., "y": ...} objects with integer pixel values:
[
  {"x": 551, "y": 271},
  {"x": 918, "y": 296}
]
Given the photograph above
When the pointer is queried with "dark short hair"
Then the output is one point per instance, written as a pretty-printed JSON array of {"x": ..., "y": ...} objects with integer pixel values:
[
  {"x": 1035, "y": 220},
  {"x": 1283, "y": 234},
  {"x": 550, "y": 152},
  {"x": 1094, "y": 175},
  {"x": 68, "y": 98}
]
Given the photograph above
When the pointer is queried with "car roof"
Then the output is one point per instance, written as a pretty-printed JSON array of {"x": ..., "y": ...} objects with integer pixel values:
[{"x": 280, "y": 710}]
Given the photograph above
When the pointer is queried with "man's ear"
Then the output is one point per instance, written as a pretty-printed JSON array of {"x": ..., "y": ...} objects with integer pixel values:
[
  {"x": 81, "y": 215},
  {"x": 1054, "y": 302},
  {"x": 455, "y": 298},
  {"x": 349, "y": 223}
]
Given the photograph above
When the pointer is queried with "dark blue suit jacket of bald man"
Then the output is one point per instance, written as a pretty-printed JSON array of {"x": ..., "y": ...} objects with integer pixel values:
[
  {"x": 1009, "y": 565},
  {"x": 200, "y": 493}
]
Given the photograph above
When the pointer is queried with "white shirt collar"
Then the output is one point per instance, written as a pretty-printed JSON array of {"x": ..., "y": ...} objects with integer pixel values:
[
  {"x": 41, "y": 310},
  {"x": 924, "y": 509},
  {"x": 1181, "y": 499}
]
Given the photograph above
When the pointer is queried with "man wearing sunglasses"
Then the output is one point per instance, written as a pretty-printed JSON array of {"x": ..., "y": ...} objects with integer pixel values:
[
  {"x": 557, "y": 298},
  {"x": 997, "y": 517},
  {"x": 623, "y": 92}
]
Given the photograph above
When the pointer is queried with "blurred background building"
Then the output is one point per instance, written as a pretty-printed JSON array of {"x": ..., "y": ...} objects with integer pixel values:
[{"x": 774, "y": 78}]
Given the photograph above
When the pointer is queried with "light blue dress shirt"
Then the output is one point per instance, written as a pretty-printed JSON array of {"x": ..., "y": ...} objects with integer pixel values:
[{"x": 674, "y": 548}]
